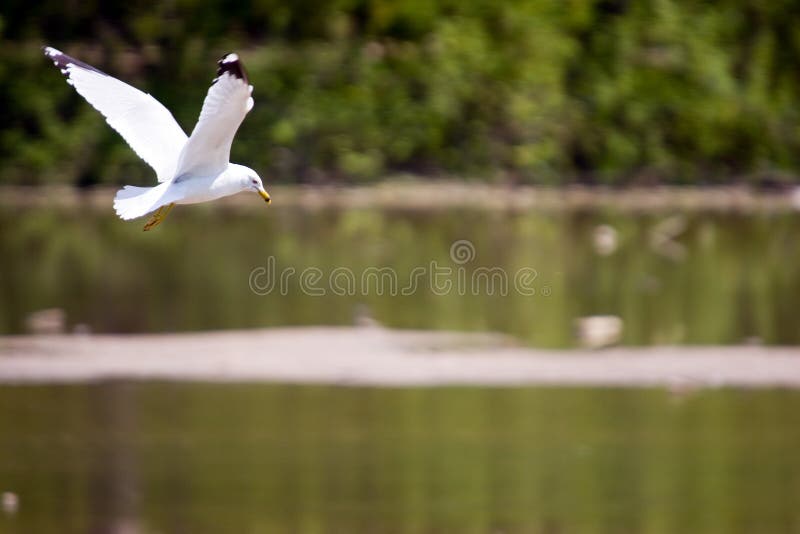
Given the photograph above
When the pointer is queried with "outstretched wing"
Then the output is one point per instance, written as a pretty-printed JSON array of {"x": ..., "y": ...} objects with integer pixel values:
[
  {"x": 146, "y": 125},
  {"x": 208, "y": 149}
]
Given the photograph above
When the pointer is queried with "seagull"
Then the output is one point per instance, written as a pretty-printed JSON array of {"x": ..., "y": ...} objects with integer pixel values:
[{"x": 189, "y": 169}]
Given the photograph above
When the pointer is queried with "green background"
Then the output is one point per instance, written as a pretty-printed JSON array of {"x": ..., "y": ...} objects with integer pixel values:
[{"x": 550, "y": 91}]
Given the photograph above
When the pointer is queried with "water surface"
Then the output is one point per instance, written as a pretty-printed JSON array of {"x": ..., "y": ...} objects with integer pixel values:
[
  {"x": 691, "y": 278},
  {"x": 163, "y": 457}
]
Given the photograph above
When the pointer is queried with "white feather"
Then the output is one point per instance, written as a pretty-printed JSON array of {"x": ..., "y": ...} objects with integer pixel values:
[
  {"x": 208, "y": 149},
  {"x": 132, "y": 202},
  {"x": 146, "y": 125}
]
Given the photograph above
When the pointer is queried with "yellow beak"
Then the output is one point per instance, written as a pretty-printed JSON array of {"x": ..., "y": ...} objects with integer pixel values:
[{"x": 263, "y": 194}]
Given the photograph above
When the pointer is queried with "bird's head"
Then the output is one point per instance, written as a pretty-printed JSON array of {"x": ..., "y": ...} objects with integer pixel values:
[{"x": 253, "y": 183}]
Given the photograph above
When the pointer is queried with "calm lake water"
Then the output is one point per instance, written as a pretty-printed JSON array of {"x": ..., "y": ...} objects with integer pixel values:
[
  {"x": 159, "y": 457},
  {"x": 696, "y": 278}
]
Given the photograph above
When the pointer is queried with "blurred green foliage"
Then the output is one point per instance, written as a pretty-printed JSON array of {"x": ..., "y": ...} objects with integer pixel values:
[{"x": 548, "y": 91}]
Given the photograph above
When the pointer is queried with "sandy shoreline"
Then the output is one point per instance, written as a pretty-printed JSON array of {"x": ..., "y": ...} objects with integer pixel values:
[
  {"x": 417, "y": 193},
  {"x": 379, "y": 357}
]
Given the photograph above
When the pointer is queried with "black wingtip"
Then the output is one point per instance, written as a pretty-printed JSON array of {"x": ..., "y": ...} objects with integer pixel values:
[
  {"x": 58, "y": 58},
  {"x": 63, "y": 61},
  {"x": 231, "y": 64}
]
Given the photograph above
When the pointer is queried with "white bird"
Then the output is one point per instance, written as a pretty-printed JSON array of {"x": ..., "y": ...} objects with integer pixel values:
[{"x": 190, "y": 170}]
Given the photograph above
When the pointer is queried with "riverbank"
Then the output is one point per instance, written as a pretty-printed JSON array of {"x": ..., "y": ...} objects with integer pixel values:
[
  {"x": 372, "y": 356},
  {"x": 416, "y": 193}
]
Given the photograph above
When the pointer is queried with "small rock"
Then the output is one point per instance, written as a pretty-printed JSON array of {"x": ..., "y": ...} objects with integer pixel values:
[
  {"x": 605, "y": 240},
  {"x": 81, "y": 329},
  {"x": 46, "y": 322},
  {"x": 362, "y": 316},
  {"x": 9, "y": 502},
  {"x": 598, "y": 331}
]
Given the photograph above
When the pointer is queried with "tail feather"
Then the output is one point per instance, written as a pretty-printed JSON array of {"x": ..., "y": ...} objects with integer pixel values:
[{"x": 131, "y": 202}]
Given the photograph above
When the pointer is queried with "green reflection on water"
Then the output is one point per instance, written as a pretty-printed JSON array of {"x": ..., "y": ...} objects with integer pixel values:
[
  {"x": 251, "y": 458},
  {"x": 721, "y": 279}
]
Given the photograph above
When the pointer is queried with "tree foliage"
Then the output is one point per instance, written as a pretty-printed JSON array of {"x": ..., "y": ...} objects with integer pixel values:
[{"x": 547, "y": 91}]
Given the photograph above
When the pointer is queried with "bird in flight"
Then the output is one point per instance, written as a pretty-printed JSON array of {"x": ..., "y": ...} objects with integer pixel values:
[{"x": 189, "y": 169}]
